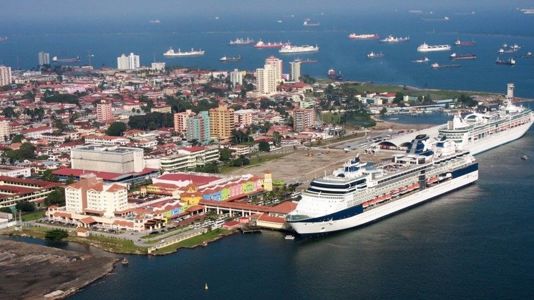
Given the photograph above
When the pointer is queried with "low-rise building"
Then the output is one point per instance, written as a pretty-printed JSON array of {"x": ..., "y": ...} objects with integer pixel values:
[
  {"x": 11, "y": 171},
  {"x": 114, "y": 159},
  {"x": 189, "y": 158},
  {"x": 14, "y": 190},
  {"x": 106, "y": 140}
]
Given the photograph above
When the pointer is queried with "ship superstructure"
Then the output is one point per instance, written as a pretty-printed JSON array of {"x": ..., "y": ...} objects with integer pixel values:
[
  {"x": 362, "y": 192},
  {"x": 480, "y": 131}
]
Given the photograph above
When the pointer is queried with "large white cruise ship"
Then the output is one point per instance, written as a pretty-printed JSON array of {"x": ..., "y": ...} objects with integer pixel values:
[
  {"x": 361, "y": 192},
  {"x": 424, "y": 47},
  {"x": 479, "y": 132},
  {"x": 180, "y": 53},
  {"x": 290, "y": 49}
]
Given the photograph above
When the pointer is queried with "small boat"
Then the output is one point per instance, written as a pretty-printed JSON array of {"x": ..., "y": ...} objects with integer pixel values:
[
  {"x": 524, "y": 157},
  {"x": 528, "y": 55},
  {"x": 124, "y": 261},
  {"x": 310, "y": 23},
  {"x": 421, "y": 60},
  {"x": 206, "y": 286},
  {"x": 289, "y": 237}
]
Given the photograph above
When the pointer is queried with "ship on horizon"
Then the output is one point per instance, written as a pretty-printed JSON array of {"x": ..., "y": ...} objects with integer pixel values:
[
  {"x": 65, "y": 59},
  {"x": 180, "y": 53},
  {"x": 290, "y": 49},
  {"x": 424, "y": 47},
  {"x": 227, "y": 59},
  {"x": 241, "y": 42},
  {"x": 390, "y": 39},
  {"x": 269, "y": 45},
  {"x": 362, "y": 192},
  {"x": 309, "y": 23},
  {"x": 365, "y": 36}
]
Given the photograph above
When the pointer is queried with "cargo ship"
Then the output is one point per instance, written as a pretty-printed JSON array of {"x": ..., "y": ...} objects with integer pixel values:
[
  {"x": 508, "y": 62},
  {"x": 421, "y": 60},
  {"x": 438, "y": 66},
  {"x": 373, "y": 54},
  {"x": 226, "y": 59},
  {"x": 478, "y": 132},
  {"x": 269, "y": 45},
  {"x": 466, "y": 56},
  {"x": 509, "y": 48},
  {"x": 362, "y": 192},
  {"x": 461, "y": 43},
  {"x": 367, "y": 36},
  {"x": 424, "y": 47},
  {"x": 65, "y": 59},
  {"x": 310, "y": 23},
  {"x": 290, "y": 49},
  {"x": 180, "y": 53},
  {"x": 390, "y": 39},
  {"x": 241, "y": 42}
]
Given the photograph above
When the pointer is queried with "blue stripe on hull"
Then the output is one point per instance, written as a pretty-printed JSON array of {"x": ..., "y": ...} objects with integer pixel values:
[
  {"x": 340, "y": 215},
  {"x": 464, "y": 171}
]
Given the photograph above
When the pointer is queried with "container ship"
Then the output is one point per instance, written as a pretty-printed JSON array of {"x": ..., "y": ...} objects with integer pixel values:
[
  {"x": 290, "y": 49},
  {"x": 390, "y": 39},
  {"x": 424, "y": 47},
  {"x": 262, "y": 45},
  {"x": 479, "y": 132},
  {"x": 180, "y": 53},
  {"x": 241, "y": 42},
  {"x": 361, "y": 192},
  {"x": 466, "y": 56},
  {"x": 367, "y": 36}
]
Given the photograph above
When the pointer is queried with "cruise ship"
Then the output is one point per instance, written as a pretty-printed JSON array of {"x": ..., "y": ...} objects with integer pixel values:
[
  {"x": 367, "y": 36},
  {"x": 179, "y": 53},
  {"x": 424, "y": 47},
  {"x": 479, "y": 132},
  {"x": 393, "y": 39},
  {"x": 290, "y": 49},
  {"x": 360, "y": 192}
]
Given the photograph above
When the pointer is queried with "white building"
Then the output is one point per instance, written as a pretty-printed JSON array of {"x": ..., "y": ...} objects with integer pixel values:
[
  {"x": 277, "y": 64},
  {"x": 43, "y": 58},
  {"x": 244, "y": 117},
  {"x": 157, "y": 66},
  {"x": 5, "y": 75},
  {"x": 5, "y": 129},
  {"x": 106, "y": 140},
  {"x": 189, "y": 158},
  {"x": 266, "y": 80},
  {"x": 236, "y": 77},
  {"x": 107, "y": 159},
  {"x": 12, "y": 171},
  {"x": 130, "y": 62},
  {"x": 295, "y": 70},
  {"x": 91, "y": 195}
]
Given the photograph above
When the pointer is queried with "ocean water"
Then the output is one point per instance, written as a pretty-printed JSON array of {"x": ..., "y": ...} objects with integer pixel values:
[{"x": 107, "y": 39}]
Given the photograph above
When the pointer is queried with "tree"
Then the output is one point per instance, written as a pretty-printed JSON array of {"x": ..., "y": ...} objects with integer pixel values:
[
  {"x": 9, "y": 112},
  {"x": 56, "y": 197},
  {"x": 6, "y": 210},
  {"x": 17, "y": 138},
  {"x": 264, "y": 146},
  {"x": 48, "y": 176},
  {"x": 399, "y": 98},
  {"x": 56, "y": 235},
  {"x": 225, "y": 154},
  {"x": 277, "y": 138},
  {"x": 116, "y": 129},
  {"x": 25, "y": 206},
  {"x": 383, "y": 111}
]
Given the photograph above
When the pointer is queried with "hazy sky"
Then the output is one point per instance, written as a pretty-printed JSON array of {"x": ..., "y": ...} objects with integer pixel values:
[{"x": 107, "y": 9}]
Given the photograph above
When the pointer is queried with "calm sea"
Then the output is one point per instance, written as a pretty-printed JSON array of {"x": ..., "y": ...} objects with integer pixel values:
[{"x": 489, "y": 29}]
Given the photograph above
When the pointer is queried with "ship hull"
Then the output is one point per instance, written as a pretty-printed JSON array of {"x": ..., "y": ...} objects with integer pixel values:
[
  {"x": 498, "y": 139},
  {"x": 362, "y": 218}
]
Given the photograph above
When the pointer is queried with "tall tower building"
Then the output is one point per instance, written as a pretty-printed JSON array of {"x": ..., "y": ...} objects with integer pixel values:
[
  {"x": 222, "y": 123},
  {"x": 198, "y": 128},
  {"x": 266, "y": 80},
  {"x": 302, "y": 119},
  {"x": 130, "y": 62},
  {"x": 295, "y": 70},
  {"x": 277, "y": 66},
  {"x": 236, "y": 77},
  {"x": 5, "y": 75},
  {"x": 104, "y": 113},
  {"x": 43, "y": 58}
]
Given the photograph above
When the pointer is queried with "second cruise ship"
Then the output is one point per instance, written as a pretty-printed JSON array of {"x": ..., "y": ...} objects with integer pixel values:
[{"x": 360, "y": 192}]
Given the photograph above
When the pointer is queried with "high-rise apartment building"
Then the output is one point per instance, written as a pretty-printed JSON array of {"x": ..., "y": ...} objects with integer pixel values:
[
  {"x": 104, "y": 113},
  {"x": 43, "y": 58},
  {"x": 303, "y": 119},
  {"x": 266, "y": 80},
  {"x": 236, "y": 77},
  {"x": 198, "y": 128},
  {"x": 221, "y": 123},
  {"x": 180, "y": 120},
  {"x": 130, "y": 62},
  {"x": 276, "y": 63},
  {"x": 295, "y": 70},
  {"x": 5, "y": 75}
]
